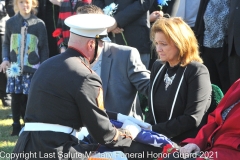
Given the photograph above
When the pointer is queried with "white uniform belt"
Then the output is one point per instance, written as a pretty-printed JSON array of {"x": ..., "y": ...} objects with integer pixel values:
[{"x": 35, "y": 126}]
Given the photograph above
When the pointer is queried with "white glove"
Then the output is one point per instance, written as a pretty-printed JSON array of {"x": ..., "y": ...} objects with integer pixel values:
[
  {"x": 122, "y": 118},
  {"x": 133, "y": 128},
  {"x": 187, "y": 149}
]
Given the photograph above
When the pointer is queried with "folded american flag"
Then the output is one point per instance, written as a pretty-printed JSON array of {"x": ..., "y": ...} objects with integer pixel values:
[{"x": 147, "y": 136}]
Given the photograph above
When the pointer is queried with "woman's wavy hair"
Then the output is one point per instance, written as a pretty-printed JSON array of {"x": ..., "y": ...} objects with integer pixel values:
[
  {"x": 34, "y": 6},
  {"x": 176, "y": 30}
]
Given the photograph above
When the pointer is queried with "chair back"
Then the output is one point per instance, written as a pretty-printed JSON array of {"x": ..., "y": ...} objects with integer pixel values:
[{"x": 217, "y": 96}]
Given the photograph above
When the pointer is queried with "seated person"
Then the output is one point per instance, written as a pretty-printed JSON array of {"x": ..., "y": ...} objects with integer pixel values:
[
  {"x": 180, "y": 87},
  {"x": 219, "y": 139},
  {"x": 180, "y": 92}
]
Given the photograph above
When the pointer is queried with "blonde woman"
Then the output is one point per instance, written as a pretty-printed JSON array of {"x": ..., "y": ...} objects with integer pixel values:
[
  {"x": 180, "y": 87},
  {"x": 180, "y": 83}
]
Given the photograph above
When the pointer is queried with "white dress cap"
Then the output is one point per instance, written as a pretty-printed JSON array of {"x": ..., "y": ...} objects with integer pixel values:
[{"x": 90, "y": 25}]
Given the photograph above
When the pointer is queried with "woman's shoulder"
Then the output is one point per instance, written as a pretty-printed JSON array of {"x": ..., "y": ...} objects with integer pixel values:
[
  {"x": 196, "y": 67},
  {"x": 156, "y": 66},
  {"x": 12, "y": 19},
  {"x": 35, "y": 18},
  {"x": 195, "y": 64},
  {"x": 36, "y": 22}
]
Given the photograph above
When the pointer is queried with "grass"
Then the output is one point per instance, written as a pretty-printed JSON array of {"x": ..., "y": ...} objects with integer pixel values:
[{"x": 7, "y": 142}]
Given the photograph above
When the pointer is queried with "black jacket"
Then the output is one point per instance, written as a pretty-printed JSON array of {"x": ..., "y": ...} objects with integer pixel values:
[
  {"x": 192, "y": 103},
  {"x": 234, "y": 27},
  {"x": 199, "y": 24},
  {"x": 65, "y": 91},
  {"x": 133, "y": 17}
]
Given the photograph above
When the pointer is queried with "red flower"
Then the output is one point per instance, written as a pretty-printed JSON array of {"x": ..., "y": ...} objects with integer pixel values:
[
  {"x": 167, "y": 149},
  {"x": 57, "y": 32},
  {"x": 87, "y": 1}
]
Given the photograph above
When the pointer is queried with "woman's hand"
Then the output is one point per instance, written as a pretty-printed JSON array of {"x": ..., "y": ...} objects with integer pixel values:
[
  {"x": 4, "y": 66},
  {"x": 117, "y": 30},
  {"x": 112, "y": 27},
  {"x": 155, "y": 15},
  {"x": 189, "y": 148}
]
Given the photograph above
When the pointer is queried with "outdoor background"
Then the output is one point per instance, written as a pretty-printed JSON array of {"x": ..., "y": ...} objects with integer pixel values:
[{"x": 7, "y": 142}]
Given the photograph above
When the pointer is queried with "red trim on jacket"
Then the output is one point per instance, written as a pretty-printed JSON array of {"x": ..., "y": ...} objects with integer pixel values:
[{"x": 79, "y": 52}]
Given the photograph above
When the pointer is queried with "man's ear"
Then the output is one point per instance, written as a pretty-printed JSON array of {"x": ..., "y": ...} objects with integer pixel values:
[{"x": 91, "y": 45}]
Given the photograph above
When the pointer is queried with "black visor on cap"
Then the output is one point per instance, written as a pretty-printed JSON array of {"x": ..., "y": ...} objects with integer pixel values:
[{"x": 104, "y": 38}]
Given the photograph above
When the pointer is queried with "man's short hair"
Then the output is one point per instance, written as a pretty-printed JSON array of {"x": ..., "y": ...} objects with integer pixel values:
[{"x": 90, "y": 8}]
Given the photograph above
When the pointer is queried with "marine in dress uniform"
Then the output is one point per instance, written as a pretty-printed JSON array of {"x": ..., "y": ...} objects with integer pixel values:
[{"x": 66, "y": 95}]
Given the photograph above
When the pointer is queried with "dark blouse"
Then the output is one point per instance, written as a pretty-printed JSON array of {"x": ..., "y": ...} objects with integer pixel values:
[
  {"x": 162, "y": 97},
  {"x": 192, "y": 102}
]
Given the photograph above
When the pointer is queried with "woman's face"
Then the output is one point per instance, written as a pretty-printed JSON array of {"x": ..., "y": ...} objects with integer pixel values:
[
  {"x": 24, "y": 7},
  {"x": 167, "y": 51}
]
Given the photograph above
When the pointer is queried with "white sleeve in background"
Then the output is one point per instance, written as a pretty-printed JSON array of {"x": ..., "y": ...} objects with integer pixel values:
[
  {"x": 181, "y": 9},
  {"x": 191, "y": 11},
  {"x": 188, "y": 10}
]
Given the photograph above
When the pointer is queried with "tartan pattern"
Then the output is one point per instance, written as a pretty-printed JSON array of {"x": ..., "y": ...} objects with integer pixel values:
[{"x": 66, "y": 10}]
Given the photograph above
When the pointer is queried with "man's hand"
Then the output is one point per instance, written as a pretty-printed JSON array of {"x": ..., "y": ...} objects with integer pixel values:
[
  {"x": 4, "y": 66},
  {"x": 133, "y": 128},
  {"x": 122, "y": 118},
  {"x": 189, "y": 148}
]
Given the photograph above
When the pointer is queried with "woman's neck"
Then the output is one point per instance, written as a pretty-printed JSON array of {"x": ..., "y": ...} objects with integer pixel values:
[
  {"x": 172, "y": 64},
  {"x": 26, "y": 16}
]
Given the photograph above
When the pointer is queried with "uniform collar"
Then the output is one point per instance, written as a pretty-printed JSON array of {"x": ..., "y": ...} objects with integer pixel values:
[{"x": 80, "y": 54}]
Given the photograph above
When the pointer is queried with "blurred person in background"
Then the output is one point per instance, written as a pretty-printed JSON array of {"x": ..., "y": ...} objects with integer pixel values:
[
  {"x": 234, "y": 41},
  {"x": 67, "y": 9},
  {"x": 132, "y": 18},
  {"x": 211, "y": 29},
  {"x": 48, "y": 11},
  {"x": 3, "y": 79}
]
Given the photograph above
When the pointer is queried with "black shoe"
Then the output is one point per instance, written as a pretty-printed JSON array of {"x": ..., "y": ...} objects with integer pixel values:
[{"x": 16, "y": 129}]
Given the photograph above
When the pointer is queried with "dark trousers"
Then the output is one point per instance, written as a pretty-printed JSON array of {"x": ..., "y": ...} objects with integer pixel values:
[
  {"x": 3, "y": 83},
  {"x": 216, "y": 60},
  {"x": 3, "y": 78},
  {"x": 18, "y": 105},
  {"x": 234, "y": 66}
]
